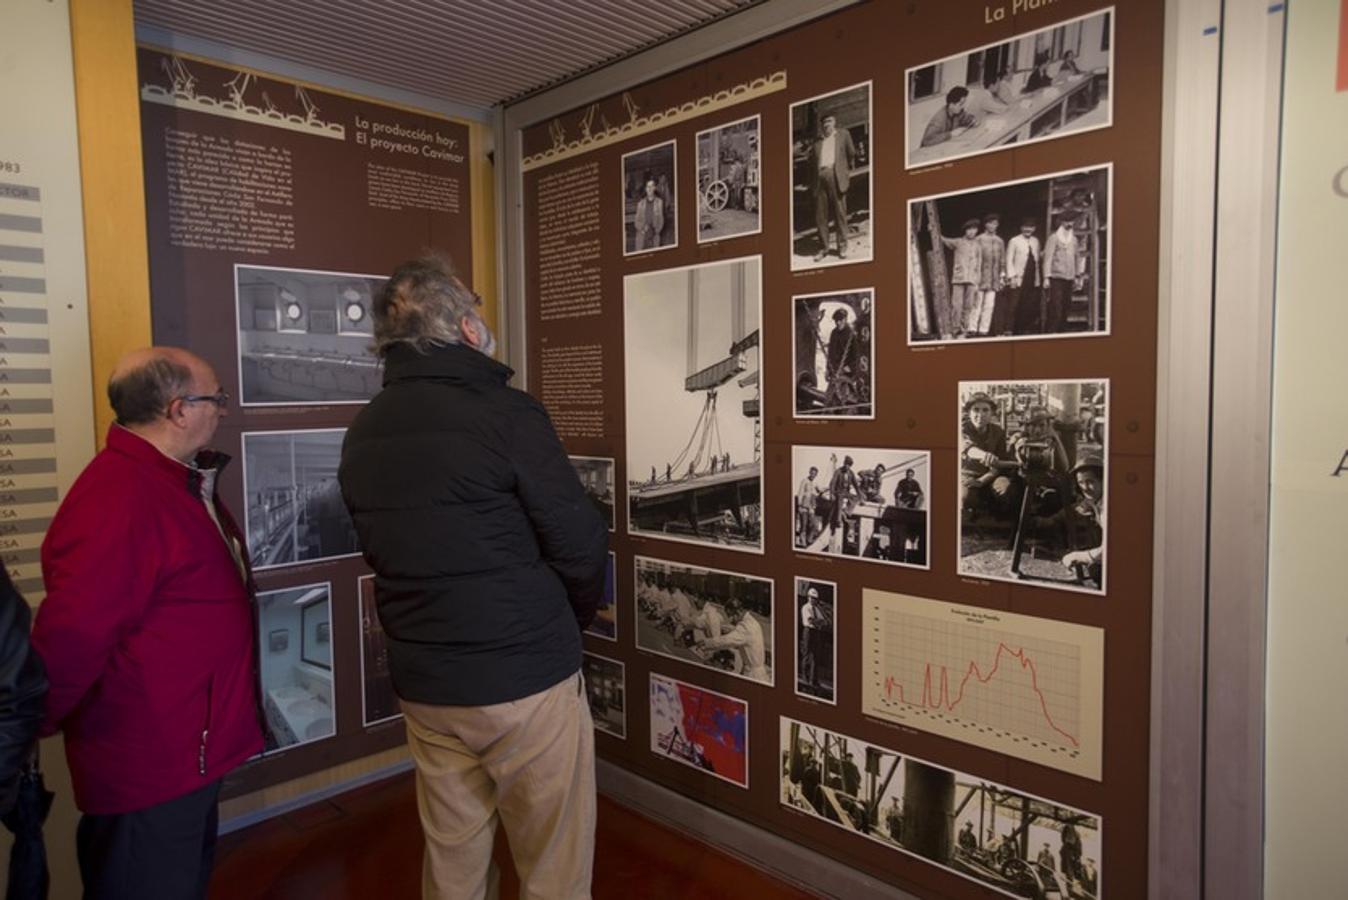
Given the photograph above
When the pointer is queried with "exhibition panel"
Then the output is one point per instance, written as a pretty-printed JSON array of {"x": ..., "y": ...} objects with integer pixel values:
[
  {"x": 276, "y": 211},
  {"x": 906, "y": 370}
]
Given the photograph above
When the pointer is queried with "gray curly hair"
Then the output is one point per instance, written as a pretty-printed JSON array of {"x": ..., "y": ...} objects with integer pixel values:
[{"x": 433, "y": 303}]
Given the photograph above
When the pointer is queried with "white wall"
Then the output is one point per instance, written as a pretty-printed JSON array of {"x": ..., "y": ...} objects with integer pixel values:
[{"x": 1306, "y": 739}]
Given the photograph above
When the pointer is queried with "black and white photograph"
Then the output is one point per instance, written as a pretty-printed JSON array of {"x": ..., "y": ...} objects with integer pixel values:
[
  {"x": 816, "y": 639},
  {"x": 606, "y": 690},
  {"x": 596, "y": 476},
  {"x": 1033, "y": 476},
  {"x": 305, "y": 336},
  {"x": 729, "y": 201},
  {"x": 1035, "y": 87},
  {"x": 700, "y": 729},
  {"x": 297, "y": 676},
  {"x": 831, "y": 186},
  {"x": 605, "y": 624},
  {"x": 1013, "y": 842},
  {"x": 835, "y": 360},
  {"x": 706, "y": 617},
  {"x": 379, "y": 703},
  {"x": 650, "y": 221},
  {"x": 1016, "y": 261},
  {"x": 862, "y": 503},
  {"x": 694, "y": 404},
  {"x": 293, "y": 509}
]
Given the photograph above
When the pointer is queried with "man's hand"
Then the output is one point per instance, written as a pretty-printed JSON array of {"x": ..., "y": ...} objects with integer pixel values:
[{"x": 1077, "y": 558}]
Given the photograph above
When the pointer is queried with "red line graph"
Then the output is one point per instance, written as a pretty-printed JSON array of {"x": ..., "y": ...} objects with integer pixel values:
[{"x": 943, "y": 701}]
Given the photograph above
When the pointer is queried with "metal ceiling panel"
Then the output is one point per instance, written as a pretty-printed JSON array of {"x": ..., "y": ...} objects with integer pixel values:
[{"x": 472, "y": 52}]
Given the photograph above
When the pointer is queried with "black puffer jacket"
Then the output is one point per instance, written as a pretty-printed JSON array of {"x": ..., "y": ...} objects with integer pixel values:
[
  {"x": 23, "y": 688},
  {"x": 488, "y": 556}
]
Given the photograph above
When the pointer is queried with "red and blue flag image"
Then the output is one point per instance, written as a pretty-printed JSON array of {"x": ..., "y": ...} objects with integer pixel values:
[{"x": 700, "y": 728}]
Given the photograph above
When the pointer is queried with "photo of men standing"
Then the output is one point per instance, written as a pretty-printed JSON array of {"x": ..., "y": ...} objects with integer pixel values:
[{"x": 984, "y": 282}]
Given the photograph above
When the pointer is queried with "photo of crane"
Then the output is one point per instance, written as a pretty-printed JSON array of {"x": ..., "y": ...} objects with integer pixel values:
[{"x": 694, "y": 420}]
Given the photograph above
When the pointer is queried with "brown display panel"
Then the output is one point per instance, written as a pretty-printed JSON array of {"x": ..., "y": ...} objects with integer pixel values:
[
  {"x": 306, "y": 180},
  {"x": 915, "y": 392}
]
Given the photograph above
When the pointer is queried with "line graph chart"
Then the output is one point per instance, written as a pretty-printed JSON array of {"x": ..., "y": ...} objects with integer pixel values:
[{"x": 1019, "y": 685}]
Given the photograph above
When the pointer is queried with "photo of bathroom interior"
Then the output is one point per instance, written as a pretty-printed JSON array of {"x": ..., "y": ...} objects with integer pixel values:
[{"x": 295, "y": 632}]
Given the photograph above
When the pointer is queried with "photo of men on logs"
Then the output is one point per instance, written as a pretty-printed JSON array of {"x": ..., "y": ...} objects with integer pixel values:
[
  {"x": 862, "y": 503},
  {"x": 710, "y": 618},
  {"x": 1020, "y": 845},
  {"x": 835, "y": 363},
  {"x": 1033, "y": 473}
]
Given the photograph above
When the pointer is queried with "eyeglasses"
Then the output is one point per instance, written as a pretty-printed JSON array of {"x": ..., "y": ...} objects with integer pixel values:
[{"x": 219, "y": 398}]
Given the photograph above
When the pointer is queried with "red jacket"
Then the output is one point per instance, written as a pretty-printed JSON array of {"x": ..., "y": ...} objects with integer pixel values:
[{"x": 147, "y": 632}]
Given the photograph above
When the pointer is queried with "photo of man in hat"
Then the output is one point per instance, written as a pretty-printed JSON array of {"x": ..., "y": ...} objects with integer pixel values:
[
  {"x": 1082, "y": 523},
  {"x": 966, "y": 273},
  {"x": 1032, "y": 505},
  {"x": 834, "y": 374},
  {"x": 992, "y": 277},
  {"x": 1022, "y": 274},
  {"x": 986, "y": 464}
]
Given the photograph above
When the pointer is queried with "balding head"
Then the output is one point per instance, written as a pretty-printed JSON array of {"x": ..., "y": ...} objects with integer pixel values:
[
  {"x": 144, "y": 382},
  {"x": 168, "y": 396}
]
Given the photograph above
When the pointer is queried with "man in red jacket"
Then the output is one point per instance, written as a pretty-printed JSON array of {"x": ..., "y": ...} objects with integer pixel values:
[{"x": 147, "y": 634}]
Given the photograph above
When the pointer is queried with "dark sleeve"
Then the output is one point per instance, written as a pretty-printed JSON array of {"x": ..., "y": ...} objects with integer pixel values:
[
  {"x": 571, "y": 534},
  {"x": 23, "y": 686}
]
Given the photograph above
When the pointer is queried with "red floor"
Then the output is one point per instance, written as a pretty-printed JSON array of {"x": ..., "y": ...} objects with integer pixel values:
[{"x": 367, "y": 843}]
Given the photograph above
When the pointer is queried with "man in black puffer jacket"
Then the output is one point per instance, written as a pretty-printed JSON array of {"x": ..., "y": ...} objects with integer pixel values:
[{"x": 489, "y": 560}]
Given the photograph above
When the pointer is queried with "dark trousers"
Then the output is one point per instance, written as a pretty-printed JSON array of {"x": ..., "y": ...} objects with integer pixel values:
[
  {"x": 1059, "y": 298},
  {"x": 164, "y": 852},
  {"x": 1021, "y": 313},
  {"x": 828, "y": 199}
]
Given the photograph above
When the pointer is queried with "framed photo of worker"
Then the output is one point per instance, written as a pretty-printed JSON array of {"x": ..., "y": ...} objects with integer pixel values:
[
  {"x": 1034, "y": 471},
  {"x": 831, "y": 185},
  {"x": 650, "y": 219},
  {"x": 596, "y": 476},
  {"x": 297, "y": 684},
  {"x": 835, "y": 358},
  {"x": 1021, "y": 260},
  {"x": 293, "y": 508},
  {"x": 605, "y": 624},
  {"x": 862, "y": 503},
  {"x": 1034, "y": 87},
  {"x": 709, "y": 618},
  {"x": 701, "y": 729},
  {"x": 915, "y": 807},
  {"x": 606, "y": 690},
  {"x": 304, "y": 336},
  {"x": 729, "y": 181},
  {"x": 816, "y": 639},
  {"x": 378, "y": 701},
  {"x": 694, "y": 402}
]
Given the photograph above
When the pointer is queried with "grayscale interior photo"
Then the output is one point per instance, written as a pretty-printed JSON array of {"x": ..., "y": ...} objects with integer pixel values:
[
  {"x": 305, "y": 337},
  {"x": 294, "y": 509}
]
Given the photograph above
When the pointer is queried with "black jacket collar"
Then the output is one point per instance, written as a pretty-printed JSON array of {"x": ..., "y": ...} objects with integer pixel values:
[{"x": 453, "y": 362}]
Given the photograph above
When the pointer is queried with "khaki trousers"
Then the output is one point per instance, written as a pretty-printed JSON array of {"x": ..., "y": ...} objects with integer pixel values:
[{"x": 528, "y": 763}]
